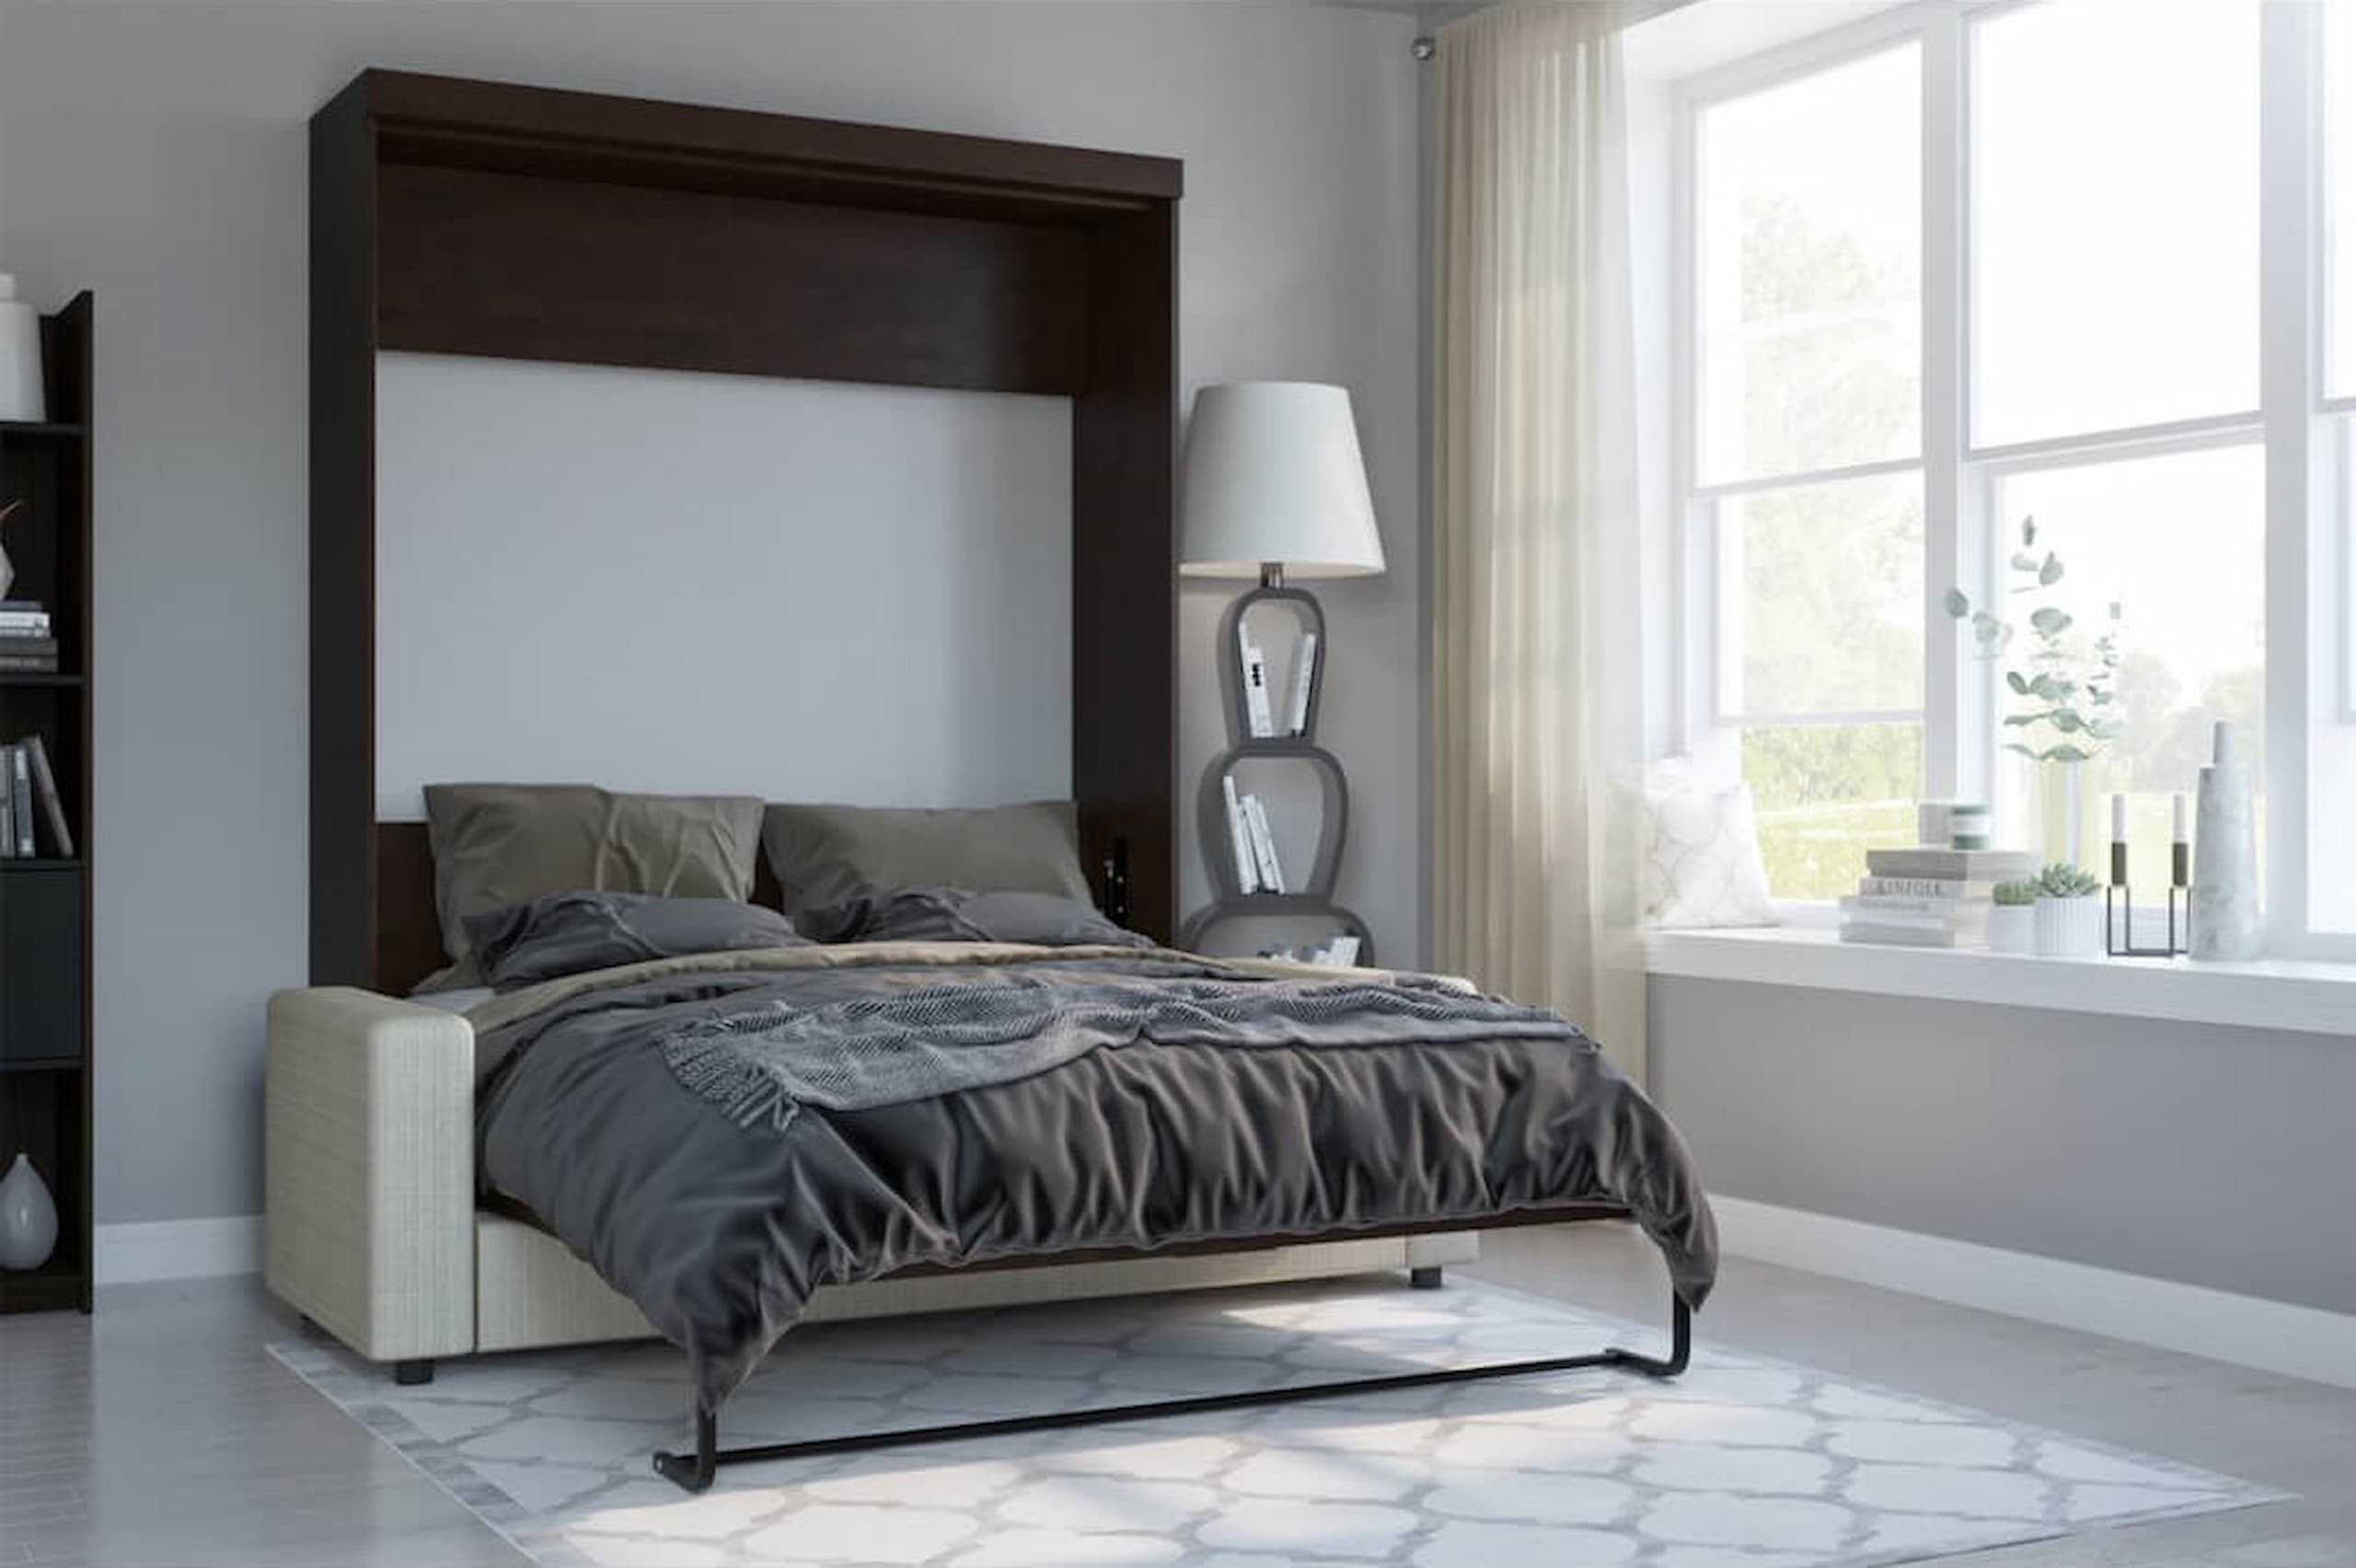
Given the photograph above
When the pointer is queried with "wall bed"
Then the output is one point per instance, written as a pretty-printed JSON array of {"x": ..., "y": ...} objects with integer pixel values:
[{"x": 460, "y": 217}]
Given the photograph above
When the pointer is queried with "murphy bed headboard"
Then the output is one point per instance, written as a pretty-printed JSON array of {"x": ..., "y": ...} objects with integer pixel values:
[{"x": 465, "y": 217}]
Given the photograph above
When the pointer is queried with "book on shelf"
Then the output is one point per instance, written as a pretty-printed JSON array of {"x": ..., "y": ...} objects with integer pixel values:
[
  {"x": 52, "y": 805},
  {"x": 1964, "y": 865},
  {"x": 25, "y": 623},
  {"x": 1239, "y": 839},
  {"x": 1258, "y": 719},
  {"x": 1304, "y": 681},
  {"x": 1264, "y": 846},
  {"x": 1870, "y": 904},
  {"x": 20, "y": 800}
]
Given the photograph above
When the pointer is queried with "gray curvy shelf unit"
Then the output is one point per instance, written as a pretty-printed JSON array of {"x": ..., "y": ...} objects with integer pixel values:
[{"x": 1315, "y": 900}]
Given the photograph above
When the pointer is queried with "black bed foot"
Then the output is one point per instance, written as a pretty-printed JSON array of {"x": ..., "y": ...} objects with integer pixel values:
[
  {"x": 693, "y": 1472},
  {"x": 1424, "y": 1278},
  {"x": 410, "y": 1374},
  {"x": 308, "y": 1326}
]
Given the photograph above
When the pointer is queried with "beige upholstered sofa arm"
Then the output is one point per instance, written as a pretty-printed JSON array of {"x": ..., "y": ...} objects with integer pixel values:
[{"x": 368, "y": 1171}]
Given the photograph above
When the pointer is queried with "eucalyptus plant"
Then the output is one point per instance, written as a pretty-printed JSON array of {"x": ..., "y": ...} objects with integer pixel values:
[{"x": 2072, "y": 691}]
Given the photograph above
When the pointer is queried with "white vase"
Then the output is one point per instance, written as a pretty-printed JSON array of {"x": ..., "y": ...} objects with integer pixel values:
[
  {"x": 2069, "y": 928},
  {"x": 2226, "y": 922},
  {"x": 21, "y": 396},
  {"x": 28, "y": 1217},
  {"x": 2012, "y": 928}
]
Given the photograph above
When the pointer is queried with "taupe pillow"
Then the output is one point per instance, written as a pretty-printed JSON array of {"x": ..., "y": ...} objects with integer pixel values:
[
  {"x": 826, "y": 854},
  {"x": 500, "y": 844}
]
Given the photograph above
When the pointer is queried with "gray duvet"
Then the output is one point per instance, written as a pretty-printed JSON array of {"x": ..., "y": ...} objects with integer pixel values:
[{"x": 720, "y": 1136}]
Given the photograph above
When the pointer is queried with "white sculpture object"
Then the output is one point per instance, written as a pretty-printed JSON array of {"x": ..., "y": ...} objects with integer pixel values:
[
  {"x": 22, "y": 395},
  {"x": 28, "y": 1217},
  {"x": 2226, "y": 920}
]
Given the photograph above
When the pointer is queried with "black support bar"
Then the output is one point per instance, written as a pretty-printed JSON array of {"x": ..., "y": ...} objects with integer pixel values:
[{"x": 695, "y": 1471}]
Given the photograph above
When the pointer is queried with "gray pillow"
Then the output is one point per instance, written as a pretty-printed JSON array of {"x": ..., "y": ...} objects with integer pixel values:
[
  {"x": 826, "y": 854},
  {"x": 570, "y": 933},
  {"x": 953, "y": 915},
  {"x": 500, "y": 844}
]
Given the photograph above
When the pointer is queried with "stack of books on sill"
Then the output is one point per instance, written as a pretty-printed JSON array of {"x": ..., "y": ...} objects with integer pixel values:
[
  {"x": 1929, "y": 896},
  {"x": 28, "y": 641},
  {"x": 29, "y": 800}
]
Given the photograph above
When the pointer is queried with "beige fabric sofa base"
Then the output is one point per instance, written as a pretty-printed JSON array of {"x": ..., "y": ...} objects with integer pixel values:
[
  {"x": 370, "y": 1228},
  {"x": 530, "y": 1291}
]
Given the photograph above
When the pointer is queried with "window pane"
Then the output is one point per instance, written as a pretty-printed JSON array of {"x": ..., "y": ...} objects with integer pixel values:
[
  {"x": 1810, "y": 268},
  {"x": 2114, "y": 162},
  {"x": 1826, "y": 793},
  {"x": 1822, "y": 590},
  {"x": 2339, "y": 98},
  {"x": 2179, "y": 544}
]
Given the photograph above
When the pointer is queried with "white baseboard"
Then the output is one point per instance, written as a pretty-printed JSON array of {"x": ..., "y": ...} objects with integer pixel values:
[
  {"x": 179, "y": 1249},
  {"x": 2247, "y": 1330}
]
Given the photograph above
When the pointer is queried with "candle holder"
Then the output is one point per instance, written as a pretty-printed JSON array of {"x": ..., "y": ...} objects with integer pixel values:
[{"x": 2119, "y": 925}]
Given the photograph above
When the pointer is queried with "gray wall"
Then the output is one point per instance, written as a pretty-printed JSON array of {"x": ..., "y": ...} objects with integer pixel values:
[
  {"x": 2217, "y": 1156},
  {"x": 155, "y": 153}
]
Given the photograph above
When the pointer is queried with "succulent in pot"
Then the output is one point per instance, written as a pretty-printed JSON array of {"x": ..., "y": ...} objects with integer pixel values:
[
  {"x": 2068, "y": 916},
  {"x": 2012, "y": 922}
]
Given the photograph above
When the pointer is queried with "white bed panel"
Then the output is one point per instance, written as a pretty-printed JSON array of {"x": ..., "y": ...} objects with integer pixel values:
[{"x": 669, "y": 580}]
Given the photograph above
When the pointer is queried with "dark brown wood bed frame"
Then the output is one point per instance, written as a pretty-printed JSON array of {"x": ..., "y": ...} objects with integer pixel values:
[{"x": 466, "y": 217}]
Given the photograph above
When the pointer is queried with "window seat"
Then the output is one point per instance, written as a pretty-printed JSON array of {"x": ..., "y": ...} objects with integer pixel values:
[{"x": 2268, "y": 993}]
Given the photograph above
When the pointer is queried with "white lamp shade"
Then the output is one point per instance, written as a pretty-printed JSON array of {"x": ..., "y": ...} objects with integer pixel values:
[{"x": 1273, "y": 473}]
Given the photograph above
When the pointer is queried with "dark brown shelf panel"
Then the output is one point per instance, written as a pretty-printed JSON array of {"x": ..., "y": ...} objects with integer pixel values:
[
  {"x": 41, "y": 863},
  {"x": 37, "y": 678},
  {"x": 40, "y": 432},
  {"x": 55, "y": 1286},
  {"x": 47, "y": 1065}
]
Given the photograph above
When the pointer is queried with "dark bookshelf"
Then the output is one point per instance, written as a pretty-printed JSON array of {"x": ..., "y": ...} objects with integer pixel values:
[{"x": 45, "y": 1042}]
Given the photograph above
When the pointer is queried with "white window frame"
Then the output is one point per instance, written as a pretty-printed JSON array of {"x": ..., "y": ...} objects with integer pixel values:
[{"x": 2310, "y": 447}]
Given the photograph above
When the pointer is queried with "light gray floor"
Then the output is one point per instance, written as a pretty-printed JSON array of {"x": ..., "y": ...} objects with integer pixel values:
[{"x": 160, "y": 1433}]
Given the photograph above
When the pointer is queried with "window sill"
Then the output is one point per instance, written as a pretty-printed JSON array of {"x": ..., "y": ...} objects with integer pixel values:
[{"x": 2318, "y": 998}]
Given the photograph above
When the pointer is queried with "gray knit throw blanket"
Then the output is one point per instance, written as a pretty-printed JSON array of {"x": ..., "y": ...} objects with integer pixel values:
[{"x": 765, "y": 1064}]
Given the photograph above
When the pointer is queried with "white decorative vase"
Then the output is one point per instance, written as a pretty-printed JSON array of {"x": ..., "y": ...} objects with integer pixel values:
[
  {"x": 2012, "y": 928},
  {"x": 2226, "y": 921},
  {"x": 21, "y": 396},
  {"x": 28, "y": 1217},
  {"x": 2069, "y": 928}
]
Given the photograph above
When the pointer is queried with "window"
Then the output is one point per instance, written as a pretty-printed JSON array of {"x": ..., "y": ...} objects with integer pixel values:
[
  {"x": 1904, "y": 338},
  {"x": 2114, "y": 231},
  {"x": 2339, "y": 110},
  {"x": 1809, "y": 288}
]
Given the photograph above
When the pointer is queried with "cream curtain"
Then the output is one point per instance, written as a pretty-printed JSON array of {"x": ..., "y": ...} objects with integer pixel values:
[{"x": 1536, "y": 664}]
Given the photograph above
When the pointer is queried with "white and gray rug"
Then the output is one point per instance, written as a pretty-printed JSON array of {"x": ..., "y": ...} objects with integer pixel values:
[{"x": 1742, "y": 1463}]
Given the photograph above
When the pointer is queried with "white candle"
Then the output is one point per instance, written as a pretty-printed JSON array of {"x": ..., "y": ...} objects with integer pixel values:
[
  {"x": 2118, "y": 819},
  {"x": 2177, "y": 802}
]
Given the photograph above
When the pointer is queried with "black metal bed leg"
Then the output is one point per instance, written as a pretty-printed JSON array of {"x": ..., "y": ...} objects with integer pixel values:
[
  {"x": 410, "y": 1374},
  {"x": 1424, "y": 1278},
  {"x": 694, "y": 1473},
  {"x": 1680, "y": 1346}
]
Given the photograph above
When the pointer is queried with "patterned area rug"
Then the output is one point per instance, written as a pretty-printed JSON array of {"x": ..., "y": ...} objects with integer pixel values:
[{"x": 1742, "y": 1463}]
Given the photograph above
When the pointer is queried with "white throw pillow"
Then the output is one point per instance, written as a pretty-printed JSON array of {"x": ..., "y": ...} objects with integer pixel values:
[{"x": 1701, "y": 864}]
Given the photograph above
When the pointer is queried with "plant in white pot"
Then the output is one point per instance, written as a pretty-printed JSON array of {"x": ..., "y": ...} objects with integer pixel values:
[
  {"x": 2012, "y": 923},
  {"x": 2069, "y": 912}
]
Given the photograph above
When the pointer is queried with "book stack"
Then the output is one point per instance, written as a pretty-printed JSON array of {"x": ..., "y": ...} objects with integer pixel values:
[
  {"x": 1259, "y": 704},
  {"x": 1342, "y": 953},
  {"x": 1256, "y": 867},
  {"x": 30, "y": 801},
  {"x": 27, "y": 642},
  {"x": 1928, "y": 897}
]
